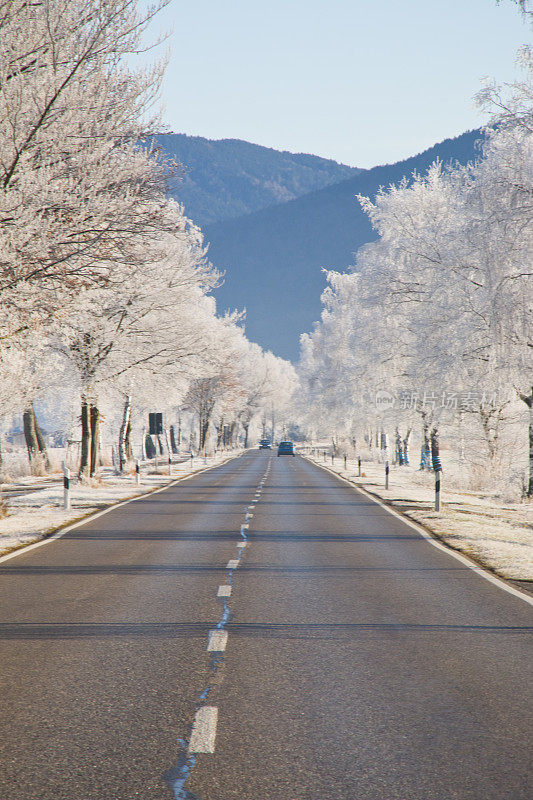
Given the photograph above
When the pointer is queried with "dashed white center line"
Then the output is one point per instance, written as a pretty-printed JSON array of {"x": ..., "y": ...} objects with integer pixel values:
[
  {"x": 224, "y": 591},
  {"x": 204, "y": 730},
  {"x": 233, "y": 563},
  {"x": 216, "y": 641},
  {"x": 240, "y": 545}
]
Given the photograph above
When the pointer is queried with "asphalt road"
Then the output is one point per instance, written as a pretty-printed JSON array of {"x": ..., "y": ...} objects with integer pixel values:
[{"x": 360, "y": 662}]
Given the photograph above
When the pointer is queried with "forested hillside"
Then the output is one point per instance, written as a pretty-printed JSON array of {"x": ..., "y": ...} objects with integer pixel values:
[
  {"x": 228, "y": 177},
  {"x": 273, "y": 258}
]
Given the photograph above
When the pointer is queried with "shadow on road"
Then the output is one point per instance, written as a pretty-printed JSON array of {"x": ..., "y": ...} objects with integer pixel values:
[{"x": 269, "y": 630}]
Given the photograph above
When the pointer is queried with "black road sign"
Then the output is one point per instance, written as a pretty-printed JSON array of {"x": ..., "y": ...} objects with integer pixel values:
[{"x": 155, "y": 422}]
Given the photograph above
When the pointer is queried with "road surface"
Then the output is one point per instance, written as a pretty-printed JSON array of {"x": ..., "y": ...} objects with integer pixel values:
[{"x": 352, "y": 661}]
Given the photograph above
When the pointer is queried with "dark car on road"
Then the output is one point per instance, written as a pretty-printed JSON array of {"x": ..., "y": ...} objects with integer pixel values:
[
  {"x": 265, "y": 444},
  {"x": 286, "y": 449}
]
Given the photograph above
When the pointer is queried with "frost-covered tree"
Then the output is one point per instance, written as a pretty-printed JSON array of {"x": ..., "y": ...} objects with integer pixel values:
[
  {"x": 142, "y": 327},
  {"x": 75, "y": 188},
  {"x": 443, "y": 299},
  {"x": 353, "y": 353},
  {"x": 78, "y": 196},
  {"x": 238, "y": 384}
]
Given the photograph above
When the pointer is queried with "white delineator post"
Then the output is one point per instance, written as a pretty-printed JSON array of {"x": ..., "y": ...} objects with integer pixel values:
[
  {"x": 66, "y": 486},
  {"x": 137, "y": 473},
  {"x": 437, "y": 489},
  {"x": 387, "y": 470}
]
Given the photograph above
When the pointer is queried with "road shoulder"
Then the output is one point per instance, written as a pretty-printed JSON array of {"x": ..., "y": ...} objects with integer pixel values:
[{"x": 454, "y": 545}]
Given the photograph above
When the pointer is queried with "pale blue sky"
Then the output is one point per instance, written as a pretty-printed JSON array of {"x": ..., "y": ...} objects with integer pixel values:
[{"x": 359, "y": 81}]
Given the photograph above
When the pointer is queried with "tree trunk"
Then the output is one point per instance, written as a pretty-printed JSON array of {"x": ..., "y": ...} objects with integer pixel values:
[
  {"x": 34, "y": 440},
  {"x": 435, "y": 453},
  {"x": 462, "y": 440},
  {"x": 228, "y": 435},
  {"x": 398, "y": 452},
  {"x": 85, "y": 439},
  {"x": 245, "y": 428},
  {"x": 406, "y": 446},
  {"x": 528, "y": 400},
  {"x": 203, "y": 429},
  {"x": 173, "y": 444},
  {"x": 201, "y": 434},
  {"x": 126, "y": 416},
  {"x": 220, "y": 434},
  {"x": 95, "y": 437},
  {"x": 40, "y": 440},
  {"x": 28, "y": 422},
  {"x": 530, "y": 482},
  {"x": 129, "y": 448},
  {"x": 425, "y": 449},
  {"x": 149, "y": 447},
  {"x": 490, "y": 422}
]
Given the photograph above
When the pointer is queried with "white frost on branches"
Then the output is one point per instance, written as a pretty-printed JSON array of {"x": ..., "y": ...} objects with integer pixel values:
[{"x": 444, "y": 298}]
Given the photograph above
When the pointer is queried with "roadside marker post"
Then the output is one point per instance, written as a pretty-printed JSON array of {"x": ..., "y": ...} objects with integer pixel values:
[
  {"x": 359, "y": 466},
  {"x": 345, "y": 461},
  {"x": 170, "y": 464},
  {"x": 66, "y": 487},
  {"x": 437, "y": 489},
  {"x": 387, "y": 470},
  {"x": 137, "y": 473}
]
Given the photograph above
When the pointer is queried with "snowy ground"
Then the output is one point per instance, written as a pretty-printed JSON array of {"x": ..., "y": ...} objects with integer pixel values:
[
  {"x": 498, "y": 535},
  {"x": 36, "y": 513}
]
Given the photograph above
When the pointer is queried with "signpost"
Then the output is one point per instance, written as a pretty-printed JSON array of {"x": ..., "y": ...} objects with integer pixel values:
[
  {"x": 155, "y": 428},
  {"x": 155, "y": 421}
]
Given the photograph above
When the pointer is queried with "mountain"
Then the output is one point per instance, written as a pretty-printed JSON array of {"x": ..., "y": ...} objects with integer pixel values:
[
  {"x": 228, "y": 178},
  {"x": 273, "y": 258}
]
